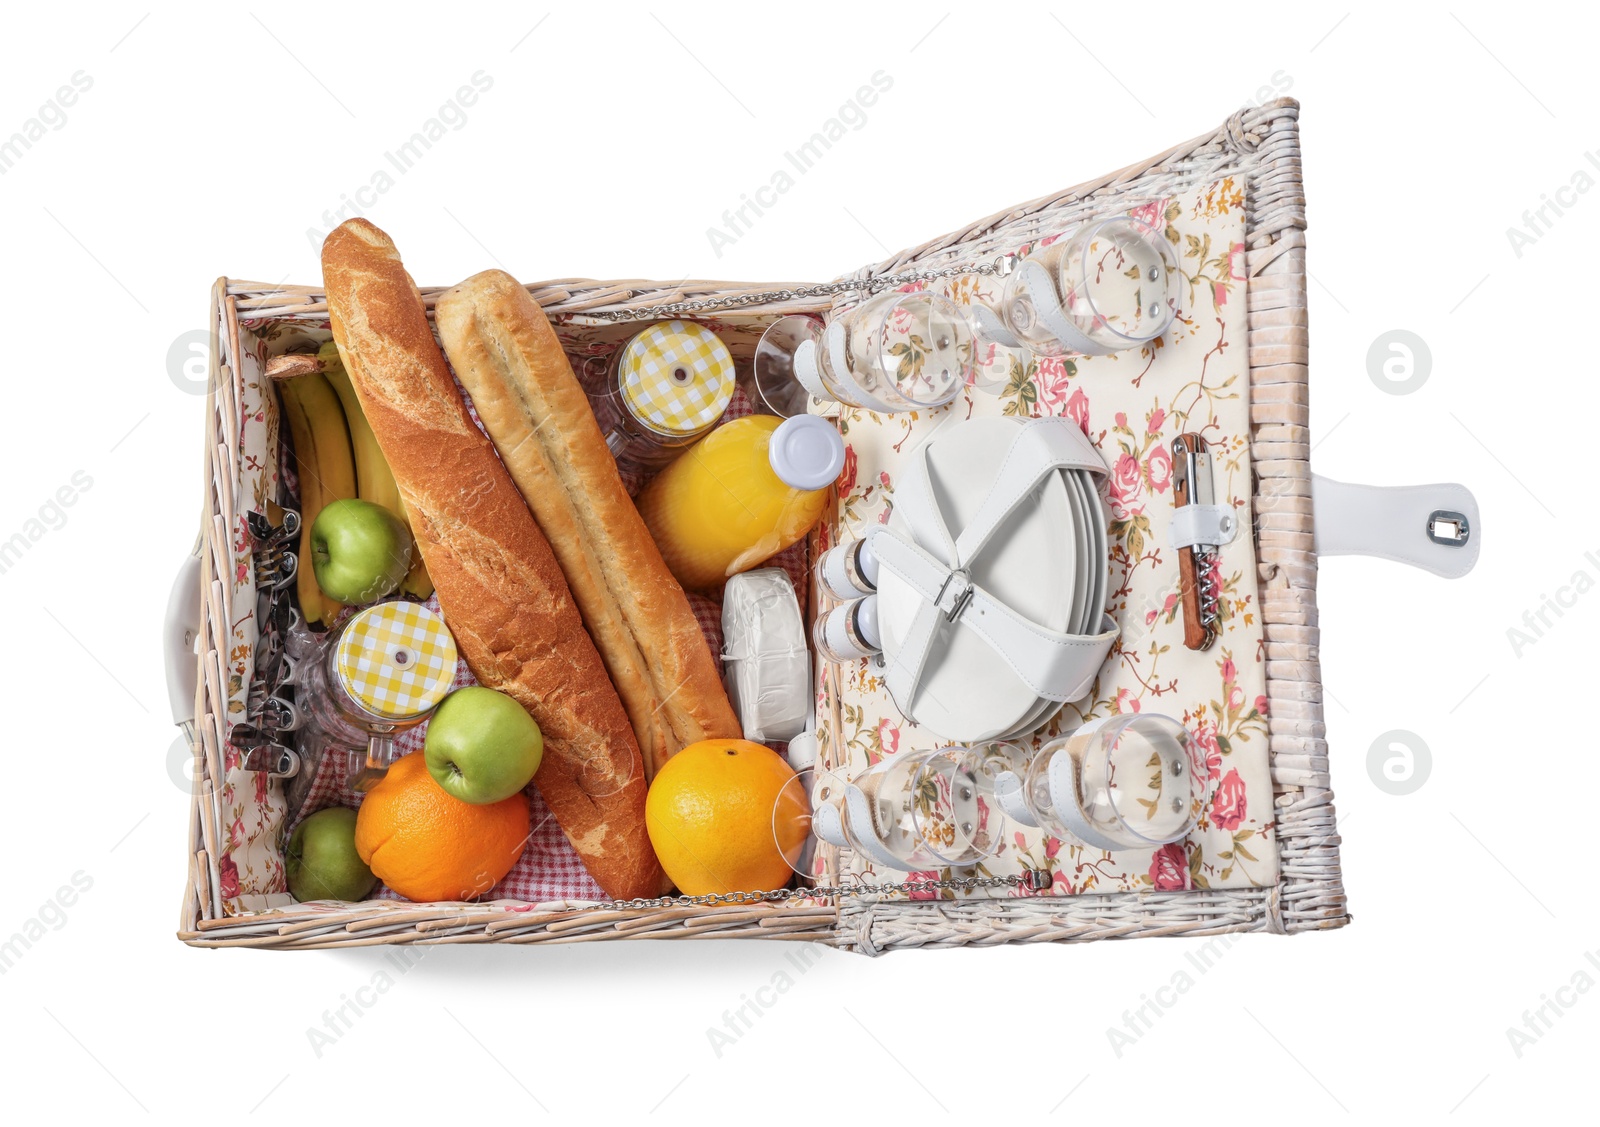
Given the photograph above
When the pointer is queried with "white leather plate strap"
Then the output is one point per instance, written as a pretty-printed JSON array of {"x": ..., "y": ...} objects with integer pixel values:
[
  {"x": 1041, "y": 447},
  {"x": 1053, "y": 665},
  {"x": 1434, "y": 527}
]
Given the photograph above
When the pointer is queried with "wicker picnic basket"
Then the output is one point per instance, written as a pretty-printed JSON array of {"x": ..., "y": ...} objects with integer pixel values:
[{"x": 1258, "y": 147}]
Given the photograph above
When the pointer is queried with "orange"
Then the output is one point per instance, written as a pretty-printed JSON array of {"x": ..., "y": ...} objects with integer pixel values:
[
  {"x": 426, "y": 844},
  {"x": 723, "y": 815}
]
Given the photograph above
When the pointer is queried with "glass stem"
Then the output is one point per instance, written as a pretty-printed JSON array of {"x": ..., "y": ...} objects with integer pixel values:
[{"x": 380, "y": 751}]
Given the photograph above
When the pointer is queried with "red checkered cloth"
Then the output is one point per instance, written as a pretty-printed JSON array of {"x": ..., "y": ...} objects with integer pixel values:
[{"x": 549, "y": 868}]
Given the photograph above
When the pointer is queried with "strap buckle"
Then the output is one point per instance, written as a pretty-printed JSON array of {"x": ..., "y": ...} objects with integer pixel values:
[
  {"x": 1448, "y": 528},
  {"x": 962, "y": 597}
]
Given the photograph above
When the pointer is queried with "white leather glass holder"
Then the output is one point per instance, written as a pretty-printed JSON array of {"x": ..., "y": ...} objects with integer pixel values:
[{"x": 1052, "y": 317}]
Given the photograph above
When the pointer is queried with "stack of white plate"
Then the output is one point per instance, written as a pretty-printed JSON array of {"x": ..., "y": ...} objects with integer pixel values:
[{"x": 1048, "y": 561}]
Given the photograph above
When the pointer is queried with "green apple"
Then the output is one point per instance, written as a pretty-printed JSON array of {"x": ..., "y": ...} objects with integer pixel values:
[
  {"x": 360, "y": 551},
  {"x": 482, "y": 746},
  {"x": 322, "y": 863}
]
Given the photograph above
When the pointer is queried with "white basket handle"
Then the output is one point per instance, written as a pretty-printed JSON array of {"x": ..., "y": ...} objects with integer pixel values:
[
  {"x": 179, "y": 629},
  {"x": 1433, "y": 527}
]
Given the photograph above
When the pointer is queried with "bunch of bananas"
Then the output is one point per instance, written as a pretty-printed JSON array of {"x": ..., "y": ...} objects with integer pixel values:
[{"x": 336, "y": 456}]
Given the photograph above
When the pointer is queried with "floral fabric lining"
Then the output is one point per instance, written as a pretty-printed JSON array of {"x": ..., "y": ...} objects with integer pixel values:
[{"x": 1131, "y": 405}]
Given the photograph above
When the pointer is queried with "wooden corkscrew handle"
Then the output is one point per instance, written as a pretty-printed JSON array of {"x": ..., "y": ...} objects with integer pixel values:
[{"x": 1198, "y": 634}]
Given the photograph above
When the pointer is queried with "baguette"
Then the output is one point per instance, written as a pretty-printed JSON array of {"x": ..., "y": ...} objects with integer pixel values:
[
  {"x": 506, "y": 354},
  {"x": 499, "y": 585}
]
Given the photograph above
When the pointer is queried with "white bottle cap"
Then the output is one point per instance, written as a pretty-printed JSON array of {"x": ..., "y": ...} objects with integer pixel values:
[{"x": 806, "y": 452}]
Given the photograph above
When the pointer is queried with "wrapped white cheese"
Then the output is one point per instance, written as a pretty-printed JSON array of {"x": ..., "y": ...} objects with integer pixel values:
[{"x": 766, "y": 665}]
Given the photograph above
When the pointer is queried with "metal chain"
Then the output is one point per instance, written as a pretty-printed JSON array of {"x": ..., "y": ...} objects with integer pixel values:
[
  {"x": 1000, "y": 267},
  {"x": 1033, "y": 879}
]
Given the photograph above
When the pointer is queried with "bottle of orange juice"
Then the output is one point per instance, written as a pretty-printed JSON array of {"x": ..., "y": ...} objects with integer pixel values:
[{"x": 741, "y": 494}]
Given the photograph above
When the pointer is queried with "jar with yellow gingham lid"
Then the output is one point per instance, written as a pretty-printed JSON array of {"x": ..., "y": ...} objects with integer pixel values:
[
  {"x": 385, "y": 671},
  {"x": 665, "y": 388}
]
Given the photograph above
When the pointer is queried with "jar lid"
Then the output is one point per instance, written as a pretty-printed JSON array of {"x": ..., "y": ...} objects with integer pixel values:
[
  {"x": 676, "y": 378},
  {"x": 806, "y": 452},
  {"x": 396, "y": 660}
]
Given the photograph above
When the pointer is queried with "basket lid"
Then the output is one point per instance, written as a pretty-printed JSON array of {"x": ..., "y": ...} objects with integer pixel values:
[
  {"x": 396, "y": 660},
  {"x": 677, "y": 378}
]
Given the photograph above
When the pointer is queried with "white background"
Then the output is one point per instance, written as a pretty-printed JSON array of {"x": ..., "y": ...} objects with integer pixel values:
[{"x": 212, "y": 139}]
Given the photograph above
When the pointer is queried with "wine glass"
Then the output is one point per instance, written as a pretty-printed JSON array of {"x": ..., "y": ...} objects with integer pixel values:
[
  {"x": 893, "y": 352},
  {"x": 774, "y": 387},
  {"x": 920, "y": 810},
  {"x": 792, "y": 821},
  {"x": 1112, "y": 285},
  {"x": 1120, "y": 783}
]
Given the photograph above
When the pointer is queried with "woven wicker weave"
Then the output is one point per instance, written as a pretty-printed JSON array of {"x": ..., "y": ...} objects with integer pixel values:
[{"x": 1260, "y": 146}]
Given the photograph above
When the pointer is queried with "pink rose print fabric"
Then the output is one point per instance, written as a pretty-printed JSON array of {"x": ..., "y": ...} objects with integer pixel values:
[{"x": 1131, "y": 405}]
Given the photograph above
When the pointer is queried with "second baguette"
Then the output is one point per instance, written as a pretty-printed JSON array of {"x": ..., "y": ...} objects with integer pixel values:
[
  {"x": 507, "y": 356},
  {"x": 499, "y": 585}
]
